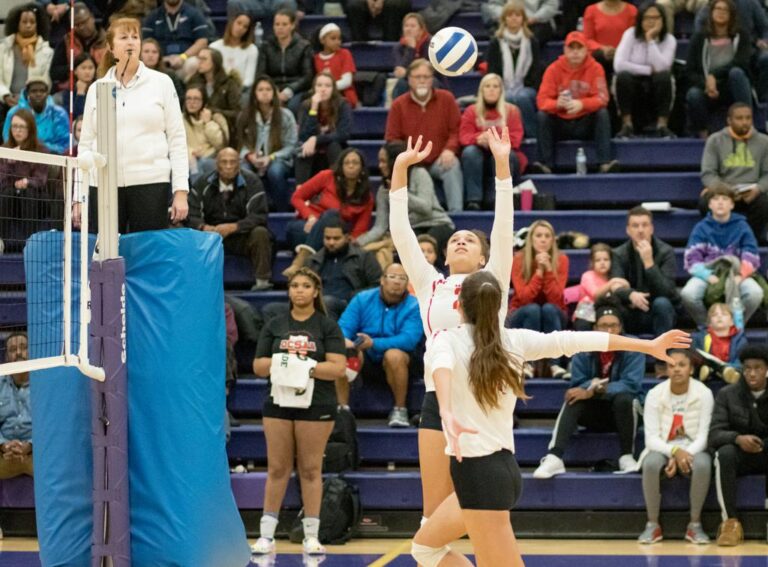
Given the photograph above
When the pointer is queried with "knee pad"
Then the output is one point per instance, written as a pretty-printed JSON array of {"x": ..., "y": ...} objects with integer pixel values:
[{"x": 428, "y": 556}]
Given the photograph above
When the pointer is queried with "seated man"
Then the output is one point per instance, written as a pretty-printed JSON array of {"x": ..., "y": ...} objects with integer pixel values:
[
  {"x": 572, "y": 102},
  {"x": 52, "y": 121},
  {"x": 602, "y": 396},
  {"x": 182, "y": 32},
  {"x": 232, "y": 202},
  {"x": 385, "y": 326},
  {"x": 676, "y": 418},
  {"x": 15, "y": 413},
  {"x": 738, "y": 435}
]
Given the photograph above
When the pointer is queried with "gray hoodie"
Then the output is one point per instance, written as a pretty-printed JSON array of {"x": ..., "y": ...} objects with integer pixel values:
[{"x": 727, "y": 160}]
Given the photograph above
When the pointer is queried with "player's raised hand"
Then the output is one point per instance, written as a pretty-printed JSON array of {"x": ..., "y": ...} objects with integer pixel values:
[
  {"x": 499, "y": 145},
  {"x": 413, "y": 154},
  {"x": 669, "y": 340}
]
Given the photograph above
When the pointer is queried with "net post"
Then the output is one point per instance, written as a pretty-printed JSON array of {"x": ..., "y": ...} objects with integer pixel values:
[{"x": 106, "y": 134}]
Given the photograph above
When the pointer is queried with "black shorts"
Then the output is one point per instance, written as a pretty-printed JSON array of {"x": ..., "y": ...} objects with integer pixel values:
[
  {"x": 430, "y": 413},
  {"x": 312, "y": 413},
  {"x": 492, "y": 482}
]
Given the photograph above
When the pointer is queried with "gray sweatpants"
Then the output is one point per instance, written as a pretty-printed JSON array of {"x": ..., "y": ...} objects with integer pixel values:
[{"x": 653, "y": 470}]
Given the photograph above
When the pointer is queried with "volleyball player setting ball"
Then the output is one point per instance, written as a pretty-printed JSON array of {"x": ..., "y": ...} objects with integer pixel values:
[
  {"x": 477, "y": 369},
  {"x": 466, "y": 253}
]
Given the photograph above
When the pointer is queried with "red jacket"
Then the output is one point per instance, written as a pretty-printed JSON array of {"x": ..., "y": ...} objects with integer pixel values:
[
  {"x": 586, "y": 83},
  {"x": 437, "y": 122},
  {"x": 471, "y": 127},
  {"x": 318, "y": 194},
  {"x": 539, "y": 289}
]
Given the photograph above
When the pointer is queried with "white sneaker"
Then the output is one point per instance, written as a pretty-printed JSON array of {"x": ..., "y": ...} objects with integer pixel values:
[
  {"x": 550, "y": 466},
  {"x": 528, "y": 370},
  {"x": 398, "y": 417},
  {"x": 263, "y": 546},
  {"x": 312, "y": 546},
  {"x": 627, "y": 463},
  {"x": 558, "y": 371}
]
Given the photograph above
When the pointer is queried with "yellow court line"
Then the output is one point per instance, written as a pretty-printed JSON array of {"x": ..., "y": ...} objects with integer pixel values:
[{"x": 392, "y": 555}]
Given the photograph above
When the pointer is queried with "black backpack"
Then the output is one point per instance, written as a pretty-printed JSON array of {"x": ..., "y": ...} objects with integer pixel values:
[
  {"x": 341, "y": 452},
  {"x": 340, "y": 513}
]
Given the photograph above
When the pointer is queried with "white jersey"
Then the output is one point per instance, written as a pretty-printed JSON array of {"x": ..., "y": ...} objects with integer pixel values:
[
  {"x": 438, "y": 295},
  {"x": 453, "y": 348}
]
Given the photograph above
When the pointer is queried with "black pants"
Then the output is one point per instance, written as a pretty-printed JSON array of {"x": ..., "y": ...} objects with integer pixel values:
[
  {"x": 324, "y": 158},
  {"x": 731, "y": 462},
  {"x": 390, "y": 19},
  {"x": 650, "y": 94},
  {"x": 139, "y": 208},
  {"x": 256, "y": 245},
  {"x": 756, "y": 213},
  {"x": 659, "y": 319},
  {"x": 599, "y": 413},
  {"x": 595, "y": 126}
]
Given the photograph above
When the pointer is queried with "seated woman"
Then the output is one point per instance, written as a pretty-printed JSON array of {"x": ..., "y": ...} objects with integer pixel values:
[
  {"x": 539, "y": 275},
  {"x": 339, "y": 192},
  {"x": 490, "y": 111},
  {"x": 84, "y": 68},
  {"x": 152, "y": 57},
  {"x": 267, "y": 137},
  {"x": 540, "y": 15},
  {"x": 643, "y": 65},
  {"x": 325, "y": 122},
  {"x": 237, "y": 49},
  {"x": 718, "y": 66},
  {"x": 207, "y": 132},
  {"x": 513, "y": 54},
  {"x": 604, "y": 24},
  {"x": 223, "y": 88},
  {"x": 337, "y": 61},
  {"x": 414, "y": 44}
]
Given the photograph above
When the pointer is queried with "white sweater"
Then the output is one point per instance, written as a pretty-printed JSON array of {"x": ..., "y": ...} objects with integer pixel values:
[
  {"x": 438, "y": 295},
  {"x": 453, "y": 348},
  {"x": 643, "y": 57},
  {"x": 151, "y": 141}
]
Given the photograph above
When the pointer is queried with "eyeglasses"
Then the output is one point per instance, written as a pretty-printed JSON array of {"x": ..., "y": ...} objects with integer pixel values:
[
  {"x": 421, "y": 77},
  {"x": 396, "y": 277},
  {"x": 19, "y": 127}
]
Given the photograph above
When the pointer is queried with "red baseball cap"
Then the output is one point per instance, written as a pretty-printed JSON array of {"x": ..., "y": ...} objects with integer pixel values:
[{"x": 576, "y": 37}]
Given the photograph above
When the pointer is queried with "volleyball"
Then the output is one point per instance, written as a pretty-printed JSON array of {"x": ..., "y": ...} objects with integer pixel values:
[{"x": 453, "y": 51}]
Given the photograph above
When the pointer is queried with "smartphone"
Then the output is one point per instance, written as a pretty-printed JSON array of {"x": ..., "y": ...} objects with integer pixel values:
[{"x": 358, "y": 341}]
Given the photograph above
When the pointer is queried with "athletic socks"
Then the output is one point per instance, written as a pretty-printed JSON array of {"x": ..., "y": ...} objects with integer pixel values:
[
  {"x": 268, "y": 525},
  {"x": 311, "y": 527}
]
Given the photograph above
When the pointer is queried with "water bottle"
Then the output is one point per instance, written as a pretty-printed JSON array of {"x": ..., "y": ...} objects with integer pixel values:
[
  {"x": 737, "y": 309},
  {"x": 580, "y": 25},
  {"x": 258, "y": 34},
  {"x": 581, "y": 162}
]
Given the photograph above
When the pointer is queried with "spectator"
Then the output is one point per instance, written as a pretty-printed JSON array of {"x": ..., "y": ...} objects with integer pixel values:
[
  {"x": 604, "y": 390},
  {"x": 539, "y": 275},
  {"x": 425, "y": 215},
  {"x": 539, "y": 16},
  {"x": 287, "y": 58},
  {"x": 325, "y": 122},
  {"x": 58, "y": 19},
  {"x": 88, "y": 38},
  {"x": 433, "y": 114},
  {"x": 223, "y": 88},
  {"x": 513, "y": 54},
  {"x": 267, "y": 136},
  {"x": 342, "y": 192},
  {"x": 722, "y": 251},
  {"x": 649, "y": 265},
  {"x": 152, "y": 57},
  {"x": 299, "y": 433},
  {"x": 345, "y": 268},
  {"x": 25, "y": 42},
  {"x": 718, "y": 66},
  {"x": 232, "y": 203},
  {"x": 672, "y": 7},
  {"x": 52, "y": 120},
  {"x": 595, "y": 283},
  {"x": 85, "y": 75},
  {"x": 643, "y": 65},
  {"x": 604, "y": 26},
  {"x": 207, "y": 132},
  {"x": 181, "y": 31},
  {"x": 676, "y": 419},
  {"x": 364, "y": 14},
  {"x": 413, "y": 44},
  {"x": 490, "y": 111},
  {"x": 15, "y": 413},
  {"x": 738, "y": 435},
  {"x": 723, "y": 340},
  {"x": 237, "y": 49},
  {"x": 384, "y": 325},
  {"x": 337, "y": 61},
  {"x": 572, "y": 103},
  {"x": 737, "y": 156}
]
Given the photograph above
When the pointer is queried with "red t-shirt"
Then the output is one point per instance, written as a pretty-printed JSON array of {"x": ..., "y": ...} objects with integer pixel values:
[
  {"x": 606, "y": 29},
  {"x": 337, "y": 64}
]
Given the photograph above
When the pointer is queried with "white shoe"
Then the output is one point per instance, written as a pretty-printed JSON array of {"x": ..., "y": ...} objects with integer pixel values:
[
  {"x": 263, "y": 546},
  {"x": 528, "y": 371},
  {"x": 550, "y": 466},
  {"x": 558, "y": 371},
  {"x": 312, "y": 546},
  {"x": 627, "y": 463}
]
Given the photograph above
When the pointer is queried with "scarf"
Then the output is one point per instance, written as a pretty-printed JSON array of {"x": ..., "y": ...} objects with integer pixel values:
[
  {"x": 27, "y": 46},
  {"x": 738, "y": 138},
  {"x": 514, "y": 72}
]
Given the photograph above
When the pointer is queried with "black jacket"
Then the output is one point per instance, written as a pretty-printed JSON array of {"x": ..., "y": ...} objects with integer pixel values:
[
  {"x": 359, "y": 267},
  {"x": 736, "y": 413},
  {"x": 293, "y": 67},
  {"x": 310, "y": 126},
  {"x": 247, "y": 206},
  {"x": 496, "y": 62},
  {"x": 659, "y": 281}
]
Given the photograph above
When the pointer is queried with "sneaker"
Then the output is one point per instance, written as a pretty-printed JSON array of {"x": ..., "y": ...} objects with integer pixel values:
[
  {"x": 538, "y": 167},
  {"x": 473, "y": 206},
  {"x": 695, "y": 534},
  {"x": 651, "y": 534},
  {"x": 550, "y": 466},
  {"x": 664, "y": 132},
  {"x": 627, "y": 463},
  {"x": 704, "y": 373},
  {"x": 730, "y": 533},
  {"x": 262, "y": 285},
  {"x": 557, "y": 371},
  {"x": 312, "y": 546},
  {"x": 626, "y": 132},
  {"x": 610, "y": 167},
  {"x": 263, "y": 546},
  {"x": 528, "y": 371},
  {"x": 731, "y": 375},
  {"x": 398, "y": 417}
]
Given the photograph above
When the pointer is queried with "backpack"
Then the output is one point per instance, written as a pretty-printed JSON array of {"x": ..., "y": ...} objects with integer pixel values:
[
  {"x": 341, "y": 452},
  {"x": 340, "y": 513}
]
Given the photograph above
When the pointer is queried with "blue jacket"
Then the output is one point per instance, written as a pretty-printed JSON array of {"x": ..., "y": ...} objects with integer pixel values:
[
  {"x": 15, "y": 414},
  {"x": 390, "y": 326},
  {"x": 738, "y": 342},
  {"x": 627, "y": 372},
  {"x": 52, "y": 124}
]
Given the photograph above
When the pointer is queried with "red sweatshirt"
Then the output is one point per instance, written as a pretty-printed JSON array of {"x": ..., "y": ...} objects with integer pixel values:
[
  {"x": 318, "y": 195},
  {"x": 437, "y": 122},
  {"x": 586, "y": 83},
  {"x": 471, "y": 127},
  {"x": 339, "y": 63},
  {"x": 539, "y": 289},
  {"x": 606, "y": 29}
]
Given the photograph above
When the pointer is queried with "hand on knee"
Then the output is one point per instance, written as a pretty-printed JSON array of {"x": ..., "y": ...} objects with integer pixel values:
[{"x": 428, "y": 556}]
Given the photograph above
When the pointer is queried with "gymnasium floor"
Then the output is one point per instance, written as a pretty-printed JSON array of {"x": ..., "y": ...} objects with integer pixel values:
[{"x": 538, "y": 553}]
